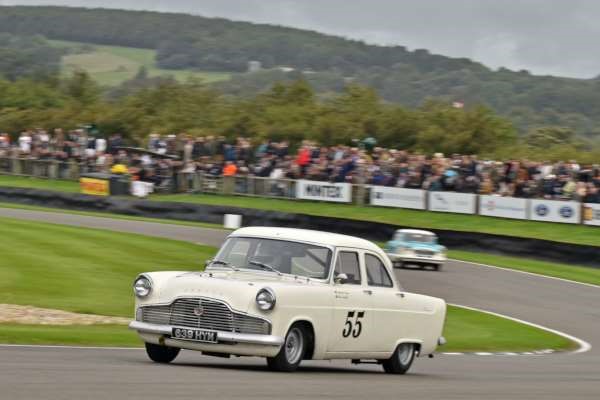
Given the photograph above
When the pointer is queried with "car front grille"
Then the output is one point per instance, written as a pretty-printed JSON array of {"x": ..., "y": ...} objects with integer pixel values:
[
  {"x": 426, "y": 253},
  {"x": 213, "y": 315}
]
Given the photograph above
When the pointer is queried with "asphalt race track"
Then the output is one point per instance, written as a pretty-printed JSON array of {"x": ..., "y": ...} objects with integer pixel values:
[{"x": 72, "y": 373}]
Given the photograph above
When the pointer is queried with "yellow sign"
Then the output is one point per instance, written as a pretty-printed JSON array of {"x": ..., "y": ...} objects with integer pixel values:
[
  {"x": 96, "y": 187},
  {"x": 588, "y": 213}
]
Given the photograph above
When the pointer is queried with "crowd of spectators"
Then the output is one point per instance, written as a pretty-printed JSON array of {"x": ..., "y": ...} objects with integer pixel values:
[{"x": 163, "y": 157}]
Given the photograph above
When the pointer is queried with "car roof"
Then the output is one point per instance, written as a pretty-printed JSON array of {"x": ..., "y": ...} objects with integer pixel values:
[
  {"x": 306, "y": 235},
  {"x": 415, "y": 231}
]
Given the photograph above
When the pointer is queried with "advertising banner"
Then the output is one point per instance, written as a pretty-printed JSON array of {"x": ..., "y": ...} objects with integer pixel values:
[
  {"x": 504, "y": 207},
  {"x": 95, "y": 187},
  {"x": 591, "y": 214},
  {"x": 398, "y": 197},
  {"x": 450, "y": 202},
  {"x": 566, "y": 212},
  {"x": 324, "y": 191}
]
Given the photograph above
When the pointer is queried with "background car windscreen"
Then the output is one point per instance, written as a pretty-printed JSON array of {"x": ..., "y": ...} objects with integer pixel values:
[
  {"x": 286, "y": 257},
  {"x": 416, "y": 237}
]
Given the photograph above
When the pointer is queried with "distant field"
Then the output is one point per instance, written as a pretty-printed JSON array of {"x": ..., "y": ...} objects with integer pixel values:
[{"x": 111, "y": 65}]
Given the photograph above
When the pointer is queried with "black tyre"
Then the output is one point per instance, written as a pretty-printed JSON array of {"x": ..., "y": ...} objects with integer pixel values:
[
  {"x": 161, "y": 354},
  {"x": 401, "y": 360},
  {"x": 437, "y": 267},
  {"x": 292, "y": 352}
]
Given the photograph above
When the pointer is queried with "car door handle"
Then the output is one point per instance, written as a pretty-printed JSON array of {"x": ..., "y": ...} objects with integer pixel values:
[{"x": 369, "y": 292}]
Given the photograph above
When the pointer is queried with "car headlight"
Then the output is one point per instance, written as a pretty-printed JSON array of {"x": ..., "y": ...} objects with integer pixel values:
[
  {"x": 265, "y": 299},
  {"x": 142, "y": 287}
]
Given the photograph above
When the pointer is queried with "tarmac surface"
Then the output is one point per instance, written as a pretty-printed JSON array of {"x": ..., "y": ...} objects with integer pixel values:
[{"x": 74, "y": 373}]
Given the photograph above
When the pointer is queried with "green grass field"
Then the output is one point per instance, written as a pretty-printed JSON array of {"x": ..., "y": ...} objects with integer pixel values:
[
  {"x": 90, "y": 271},
  {"x": 111, "y": 65},
  {"x": 571, "y": 272},
  {"x": 83, "y": 270},
  {"x": 36, "y": 183},
  {"x": 74, "y": 335},
  {"x": 111, "y": 216}
]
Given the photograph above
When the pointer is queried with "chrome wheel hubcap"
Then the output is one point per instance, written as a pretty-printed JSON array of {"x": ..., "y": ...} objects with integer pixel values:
[
  {"x": 405, "y": 353},
  {"x": 294, "y": 345}
]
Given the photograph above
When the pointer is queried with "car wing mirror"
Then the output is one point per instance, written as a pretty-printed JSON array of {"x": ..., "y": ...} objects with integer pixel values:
[{"x": 340, "y": 279}]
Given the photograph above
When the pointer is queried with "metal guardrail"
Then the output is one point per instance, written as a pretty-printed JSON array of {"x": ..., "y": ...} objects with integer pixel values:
[{"x": 44, "y": 169}]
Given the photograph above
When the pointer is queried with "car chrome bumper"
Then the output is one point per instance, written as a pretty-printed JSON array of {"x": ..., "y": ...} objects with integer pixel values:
[
  {"x": 231, "y": 337},
  {"x": 416, "y": 259}
]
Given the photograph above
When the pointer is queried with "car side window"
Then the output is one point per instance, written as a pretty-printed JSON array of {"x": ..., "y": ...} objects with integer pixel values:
[
  {"x": 377, "y": 274},
  {"x": 347, "y": 263}
]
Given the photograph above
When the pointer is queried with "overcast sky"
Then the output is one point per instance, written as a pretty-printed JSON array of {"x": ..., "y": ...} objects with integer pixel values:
[{"x": 558, "y": 37}]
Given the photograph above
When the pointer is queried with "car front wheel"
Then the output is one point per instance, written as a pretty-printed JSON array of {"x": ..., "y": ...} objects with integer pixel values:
[
  {"x": 401, "y": 360},
  {"x": 161, "y": 354},
  {"x": 292, "y": 352}
]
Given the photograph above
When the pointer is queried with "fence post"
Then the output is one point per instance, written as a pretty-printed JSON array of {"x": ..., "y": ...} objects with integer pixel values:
[
  {"x": 360, "y": 194},
  {"x": 53, "y": 169},
  {"x": 73, "y": 170},
  {"x": 228, "y": 184},
  {"x": 15, "y": 168}
]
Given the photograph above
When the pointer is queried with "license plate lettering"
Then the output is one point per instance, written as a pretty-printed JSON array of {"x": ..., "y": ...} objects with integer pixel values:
[{"x": 197, "y": 335}]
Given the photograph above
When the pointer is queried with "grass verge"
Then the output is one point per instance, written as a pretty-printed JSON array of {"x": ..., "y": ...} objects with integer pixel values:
[
  {"x": 83, "y": 270},
  {"x": 466, "y": 331},
  {"x": 571, "y": 272},
  {"x": 578, "y": 234},
  {"x": 37, "y": 183},
  {"x": 74, "y": 335},
  {"x": 110, "y": 215}
]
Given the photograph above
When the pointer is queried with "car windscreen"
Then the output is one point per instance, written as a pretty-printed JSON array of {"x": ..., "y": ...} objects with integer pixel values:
[
  {"x": 301, "y": 259},
  {"x": 418, "y": 237}
]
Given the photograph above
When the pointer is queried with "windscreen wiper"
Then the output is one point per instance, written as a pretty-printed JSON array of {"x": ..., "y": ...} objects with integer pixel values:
[
  {"x": 224, "y": 263},
  {"x": 265, "y": 266}
]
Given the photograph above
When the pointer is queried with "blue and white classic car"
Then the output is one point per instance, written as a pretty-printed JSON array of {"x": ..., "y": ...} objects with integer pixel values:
[{"x": 415, "y": 247}]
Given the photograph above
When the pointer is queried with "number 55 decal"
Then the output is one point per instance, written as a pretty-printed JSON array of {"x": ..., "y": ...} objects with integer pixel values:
[{"x": 353, "y": 326}]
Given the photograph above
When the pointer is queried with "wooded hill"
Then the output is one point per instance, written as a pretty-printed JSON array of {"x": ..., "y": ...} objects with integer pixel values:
[{"x": 402, "y": 76}]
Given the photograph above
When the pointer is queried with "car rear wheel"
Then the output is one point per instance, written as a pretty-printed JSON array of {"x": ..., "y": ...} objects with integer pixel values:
[
  {"x": 161, "y": 354},
  {"x": 292, "y": 352},
  {"x": 401, "y": 360}
]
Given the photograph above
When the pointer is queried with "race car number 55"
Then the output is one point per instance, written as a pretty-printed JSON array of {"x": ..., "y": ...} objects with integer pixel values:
[{"x": 353, "y": 325}]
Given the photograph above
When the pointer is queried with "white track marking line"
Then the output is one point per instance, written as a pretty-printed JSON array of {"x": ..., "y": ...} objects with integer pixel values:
[
  {"x": 36, "y": 346},
  {"x": 526, "y": 273},
  {"x": 583, "y": 345}
]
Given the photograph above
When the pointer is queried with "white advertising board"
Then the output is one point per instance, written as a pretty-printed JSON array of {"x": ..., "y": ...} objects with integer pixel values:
[
  {"x": 504, "y": 207},
  {"x": 461, "y": 203},
  {"x": 566, "y": 212},
  {"x": 324, "y": 191},
  {"x": 398, "y": 197},
  {"x": 591, "y": 214}
]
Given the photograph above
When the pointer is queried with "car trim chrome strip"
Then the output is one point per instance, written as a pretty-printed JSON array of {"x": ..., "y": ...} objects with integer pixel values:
[{"x": 265, "y": 340}]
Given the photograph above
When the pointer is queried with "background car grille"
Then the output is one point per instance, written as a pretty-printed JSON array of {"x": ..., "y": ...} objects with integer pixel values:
[
  {"x": 427, "y": 253},
  {"x": 216, "y": 316}
]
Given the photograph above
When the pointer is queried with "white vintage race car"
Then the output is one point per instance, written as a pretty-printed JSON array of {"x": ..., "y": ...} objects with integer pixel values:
[{"x": 289, "y": 295}]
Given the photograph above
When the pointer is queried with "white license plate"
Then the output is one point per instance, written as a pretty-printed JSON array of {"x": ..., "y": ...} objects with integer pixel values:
[{"x": 196, "y": 335}]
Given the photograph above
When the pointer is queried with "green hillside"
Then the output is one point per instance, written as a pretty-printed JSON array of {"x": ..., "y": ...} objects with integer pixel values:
[
  {"x": 112, "y": 65},
  {"x": 180, "y": 42}
]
